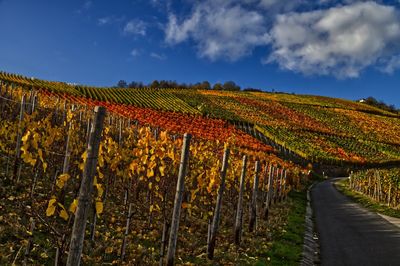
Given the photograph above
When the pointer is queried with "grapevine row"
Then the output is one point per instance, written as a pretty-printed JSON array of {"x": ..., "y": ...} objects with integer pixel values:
[{"x": 133, "y": 188}]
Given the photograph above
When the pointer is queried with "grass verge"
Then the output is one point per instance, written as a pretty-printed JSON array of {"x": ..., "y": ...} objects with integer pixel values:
[
  {"x": 368, "y": 203},
  {"x": 288, "y": 246}
]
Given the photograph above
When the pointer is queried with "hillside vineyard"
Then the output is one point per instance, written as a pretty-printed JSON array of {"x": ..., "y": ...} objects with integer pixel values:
[
  {"x": 315, "y": 128},
  {"x": 127, "y": 182},
  {"x": 157, "y": 175}
]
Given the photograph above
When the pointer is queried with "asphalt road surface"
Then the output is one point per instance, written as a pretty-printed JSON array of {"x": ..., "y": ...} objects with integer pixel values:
[{"x": 349, "y": 234}]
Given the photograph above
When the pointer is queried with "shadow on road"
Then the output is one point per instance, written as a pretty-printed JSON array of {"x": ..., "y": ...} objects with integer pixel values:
[{"x": 350, "y": 234}]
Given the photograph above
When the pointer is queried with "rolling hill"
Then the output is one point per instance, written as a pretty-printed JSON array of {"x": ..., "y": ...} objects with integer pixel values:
[{"x": 313, "y": 128}]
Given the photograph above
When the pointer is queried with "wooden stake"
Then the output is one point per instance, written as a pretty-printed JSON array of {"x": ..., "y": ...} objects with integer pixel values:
[
  {"x": 128, "y": 222},
  {"x": 85, "y": 192},
  {"x": 180, "y": 187},
  {"x": 239, "y": 210},
  {"x": 253, "y": 205},
  {"x": 284, "y": 186},
  {"x": 163, "y": 241},
  {"x": 29, "y": 244},
  {"x": 269, "y": 193},
  {"x": 217, "y": 211},
  {"x": 19, "y": 140}
]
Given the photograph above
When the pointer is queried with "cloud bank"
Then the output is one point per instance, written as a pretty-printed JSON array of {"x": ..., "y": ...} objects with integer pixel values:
[
  {"x": 341, "y": 41},
  {"x": 135, "y": 27},
  {"x": 220, "y": 30},
  {"x": 327, "y": 37}
]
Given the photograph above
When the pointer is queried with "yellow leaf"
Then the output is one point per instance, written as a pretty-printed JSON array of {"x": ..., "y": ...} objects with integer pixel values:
[
  {"x": 152, "y": 165},
  {"x": 99, "y": 207},
  {"x": 150, "y": 185},
  {"x": 186, "y": 205},
  {"x": 32, "y": 161},
  {"x": 100, "y": 190},
  {"x": 144, "y": 159},
  {"x": 26, "y": 136},
  {"x": 69, "y": 116},
  {"x": 51, "y": 208},
  {"x": 109, "y": 250},
  {"x": 24, "y": 149},
  {"x": 101, "y": 161},
  {"x": 84, "y": 156},
  {"x": 36, "y": 138},
  {"x": 64, "y": 214},
  {"x": 40, "y": 152},
  {"x": 101, "y": 175},
  {"x": 163, "y": 136},
  {"x": 73, "y": 206},
  {"x": 150, "y": 173},
  {"x": 62, "y": 179},
  {"x": 162, "y": 170},
  {"x": 226, "y": 145}
]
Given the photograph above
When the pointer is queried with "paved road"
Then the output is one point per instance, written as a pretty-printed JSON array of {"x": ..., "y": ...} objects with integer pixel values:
[{"x": 349, "y": 234}]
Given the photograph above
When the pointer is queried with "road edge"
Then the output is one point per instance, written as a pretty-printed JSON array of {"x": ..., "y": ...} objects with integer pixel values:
[
  {"x": 392, "y": 220},
  {"x": 310, "y": 254}
]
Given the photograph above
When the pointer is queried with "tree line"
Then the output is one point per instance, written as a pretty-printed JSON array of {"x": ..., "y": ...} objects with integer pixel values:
[
  {"x": 205, "y": 85},
  {"x": 380, "y": 104}
]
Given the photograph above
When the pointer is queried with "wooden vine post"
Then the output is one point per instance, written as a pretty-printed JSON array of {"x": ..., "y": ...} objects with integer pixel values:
[
  {"x": 17, "y": 162},
  {"x": 85, "y": 192},
  {"x": 269, "y": 193},
  {"x": 284, "y": 186},
  {"x": 253, "y": 205},
  {"x": 279, "y": 188},
  {"x": 217, "y": 211},
  {"x": 127, "y": 226},
  {"x": 239, "y": 210},
  {"x": 180, "y": 187},
  {"x": 277, "y": 185},
  {"x": 67, "y": 153}
]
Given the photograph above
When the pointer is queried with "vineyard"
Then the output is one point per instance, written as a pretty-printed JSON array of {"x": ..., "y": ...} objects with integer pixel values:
[
  {"x": 380, "y": 185},
  {"x": 163, "y": 176},
  {"x": 132, "y": 169},
  {"x": 318, "y": 129}
]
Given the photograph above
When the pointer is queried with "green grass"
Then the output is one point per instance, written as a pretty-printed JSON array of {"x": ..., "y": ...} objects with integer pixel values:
[
  {"x": 366, "y": 202},
  {"x": 288, "y": 247}
]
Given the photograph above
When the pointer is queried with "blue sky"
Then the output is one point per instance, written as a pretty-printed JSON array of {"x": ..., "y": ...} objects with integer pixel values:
[{"x": 348, "y": 49}]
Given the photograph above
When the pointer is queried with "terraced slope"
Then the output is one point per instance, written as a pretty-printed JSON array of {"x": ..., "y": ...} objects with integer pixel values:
[{"x": 319, "y": 129}]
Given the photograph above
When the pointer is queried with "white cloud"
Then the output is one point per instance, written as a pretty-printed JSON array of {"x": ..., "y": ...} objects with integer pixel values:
[
  {"x": 104, "y": 21},
  {"x": 341, "y": 40},
  {"x": 390, "y": 65},
  {"x": 323, "y": 37},
  {"x": 110, "y": 20},
  {"x": 86, "y": 6},
  {"x": 135, "y": 27},
  {"x": 158, "y": 56},
  {"x": 278, "y": 6},
  {"x": 219, "y": 29},
  {"x": 135, "y": 52}
]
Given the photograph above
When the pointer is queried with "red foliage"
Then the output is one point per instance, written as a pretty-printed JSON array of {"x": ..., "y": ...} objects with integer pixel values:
[{"x": 201, "y": 127}]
